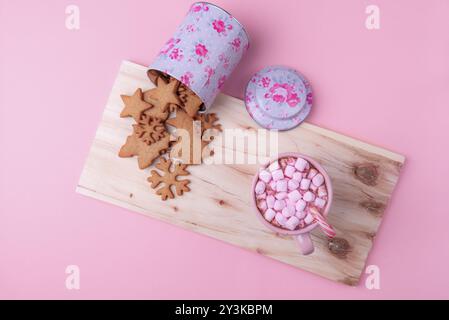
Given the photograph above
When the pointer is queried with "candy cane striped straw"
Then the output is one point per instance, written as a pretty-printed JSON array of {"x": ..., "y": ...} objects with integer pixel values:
[{"x": 325, "y": 226}]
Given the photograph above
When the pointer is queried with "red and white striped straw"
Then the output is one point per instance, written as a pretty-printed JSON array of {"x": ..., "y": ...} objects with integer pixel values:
[{"x": 325, "y": 226}]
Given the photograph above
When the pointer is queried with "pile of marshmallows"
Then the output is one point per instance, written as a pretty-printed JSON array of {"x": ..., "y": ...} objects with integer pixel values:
[{"x": 288, "y": 191}]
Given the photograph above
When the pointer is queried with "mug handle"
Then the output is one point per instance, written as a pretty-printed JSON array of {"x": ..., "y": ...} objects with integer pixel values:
[{"x": 305, "y": 243}]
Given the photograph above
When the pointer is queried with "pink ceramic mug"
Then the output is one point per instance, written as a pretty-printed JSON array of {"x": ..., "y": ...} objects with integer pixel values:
[{"x": 302, "y": 235}]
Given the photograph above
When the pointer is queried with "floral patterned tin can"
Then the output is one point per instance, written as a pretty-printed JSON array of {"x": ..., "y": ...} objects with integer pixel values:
[{"x": 203, "y": 51}]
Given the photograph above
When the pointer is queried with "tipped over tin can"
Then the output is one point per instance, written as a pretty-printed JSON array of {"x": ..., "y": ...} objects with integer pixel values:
[{"x": 203, "y": 52}]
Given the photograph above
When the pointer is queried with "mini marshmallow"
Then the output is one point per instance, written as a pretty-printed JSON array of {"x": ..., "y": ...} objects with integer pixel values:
[
  {"x": 308, "y": 219},
  {"x": 261, "y": 196},
  {"x": 293, "y": 185},
  {"x": 280, "y": 218},
  {"x": 300, "y": 215},
  {"x": 265, "y": 176},
  {"x": 300, "y": 205},
  {"x": 270, "y": 201},
  {"x": 279, "y": 205},
  {"x": 282, "y": 185},
  {"x": 269, "y": 214},
  {"x": 286, "y": 212},
  {"x": 318, "y": 180},
  {"x": 308, "y": 196},
  {"x": 313, "y": 187},
  {"x": 320, "y": 203},
  {"x": 289, "y": 171},
  {"x": 294, "y": 196},
  {"x": 281, "y": 195},
  {"x": 273, "y": 185},
  {"x": 260, "y": 187},
  {"x": 289, "y": 211},
  {"x": 312, "y": 173},
  {"x": 275, "y": 223},
  {"x": 322, "y": 191},
  {"x": 277, "y": 175},
  {"x": 297, "y": 176},
  {"x": 292, "y": 223},
  {"x": 305, "y": 183},
  {"x": 274, "y": 166},
  {"x": 301, "y": 164},
  {"x": 262, "y": 205},
  {"x": 283, "y": 163}
]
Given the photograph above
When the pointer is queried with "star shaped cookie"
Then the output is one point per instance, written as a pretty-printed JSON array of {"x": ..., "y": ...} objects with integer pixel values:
[
  {"x": 134, "y": 105},
  {"x": 165, "y": 93},
  {"x": 191, "y": 102},
  {"x": 146, "y": 154}
]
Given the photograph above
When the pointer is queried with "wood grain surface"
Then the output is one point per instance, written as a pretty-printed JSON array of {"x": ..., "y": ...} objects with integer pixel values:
[{"x": 219, "y": 205}]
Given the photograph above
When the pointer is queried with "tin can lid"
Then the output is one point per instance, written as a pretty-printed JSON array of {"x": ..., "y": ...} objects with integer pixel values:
[{"x": 278, "y": 97}]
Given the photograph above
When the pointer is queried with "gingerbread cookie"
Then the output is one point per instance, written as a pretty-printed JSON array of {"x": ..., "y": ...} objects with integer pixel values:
[
  {"x": 154, "y": 74},
  {"x": 209, "y": 130},
  {"x": 208, "y": 121},
  {"x": 181, "y": 120},
  {"x": 193, "y": 130},
  {"x": 150, "y": 138},
  {"x": 146, "y": 153},
  {"x": 134, "y": 105},
  {"x": 150, "y": 129},
  {"x": 169, "y": 178},
  {"x": 182, "y": 89},
  {"x": 159, "y": 110},
  {"x": 188, "y": 131},
  {"x": 165, "y": 93},
  {"x": 191, "y": 103}
]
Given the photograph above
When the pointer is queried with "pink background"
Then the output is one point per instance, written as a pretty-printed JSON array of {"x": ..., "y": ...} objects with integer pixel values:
[{"x": 388, "y": 87}]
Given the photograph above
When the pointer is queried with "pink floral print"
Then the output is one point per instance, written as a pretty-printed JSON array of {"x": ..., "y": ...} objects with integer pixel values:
[
  {"x": 221, "y": 82},
  {"x": 201, "y": 52},
  {"x": 209, "y": 73},
  {"x": 169, "y": 45},
  {"x": 221, "y": 27},
  {"x": 176, "y": 54},
  {"x": 309, "y": 98},
  {"x": 186, "y": 78},
  {"x": 224, "y": 60},
  {"x": 200, "y": 7},
  {"x": 236, "y": 44},
  {"x": 265, "y": 82},
  {"x": 283, "y": 92}
]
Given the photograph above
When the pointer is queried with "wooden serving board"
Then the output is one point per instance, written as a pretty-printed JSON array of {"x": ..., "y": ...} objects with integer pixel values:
[{"x": 219, "y": 205}]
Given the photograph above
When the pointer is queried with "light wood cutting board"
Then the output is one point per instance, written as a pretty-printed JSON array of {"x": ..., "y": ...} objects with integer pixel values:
[{"x": 219, "y": 205}]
